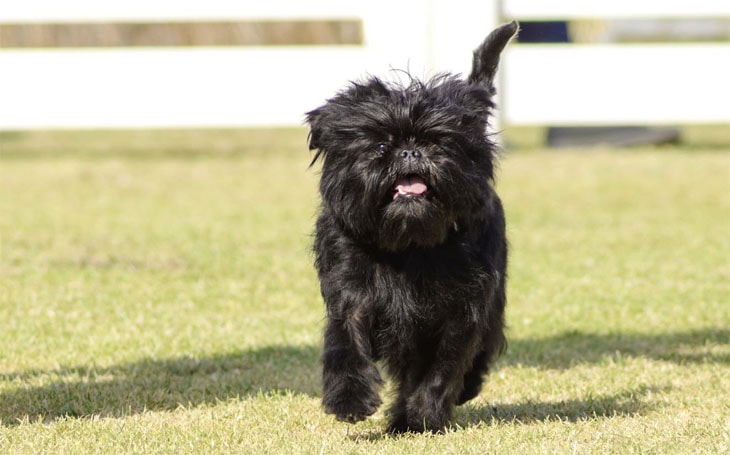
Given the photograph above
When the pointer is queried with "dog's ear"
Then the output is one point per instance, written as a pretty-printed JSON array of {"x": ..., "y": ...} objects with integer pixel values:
[
  {"x": 486, "y": 56},
  {"x": 316, "y": 130},
  {"x": 313, "y": 119}
]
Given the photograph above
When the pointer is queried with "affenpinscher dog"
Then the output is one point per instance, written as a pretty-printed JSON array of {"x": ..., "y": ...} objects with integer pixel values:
[{"x": 410, "y": 242}]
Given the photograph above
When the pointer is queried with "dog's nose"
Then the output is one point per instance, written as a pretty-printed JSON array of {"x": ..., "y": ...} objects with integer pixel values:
[{"x": 410, "y": 154}]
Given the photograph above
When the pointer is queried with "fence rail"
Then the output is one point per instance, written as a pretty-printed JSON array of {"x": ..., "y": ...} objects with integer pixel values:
[{"x": 566, "y": 84}]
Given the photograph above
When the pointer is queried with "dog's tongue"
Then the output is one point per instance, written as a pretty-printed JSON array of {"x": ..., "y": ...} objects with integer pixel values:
[{"x": 412, "y": 185}]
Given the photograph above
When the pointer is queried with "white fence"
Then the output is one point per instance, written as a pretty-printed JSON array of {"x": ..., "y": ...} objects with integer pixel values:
[
  {"x": 219, "y": 86},
  {"x": 264, "y": 86},
  {"x": 572, "y": 84}
]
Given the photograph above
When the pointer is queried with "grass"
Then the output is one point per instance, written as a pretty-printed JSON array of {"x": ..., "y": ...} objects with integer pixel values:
[{"x": 157, "y": 296}]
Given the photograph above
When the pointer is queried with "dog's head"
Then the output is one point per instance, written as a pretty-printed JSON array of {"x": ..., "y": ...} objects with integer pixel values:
[{"x": 404, "y": 164}]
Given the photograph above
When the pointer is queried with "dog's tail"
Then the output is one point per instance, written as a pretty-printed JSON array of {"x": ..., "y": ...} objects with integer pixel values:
[{"x": 486, "y": 56}]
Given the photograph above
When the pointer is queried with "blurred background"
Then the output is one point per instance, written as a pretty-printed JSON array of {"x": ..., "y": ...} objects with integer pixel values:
[{"x": 582, "y": 73}]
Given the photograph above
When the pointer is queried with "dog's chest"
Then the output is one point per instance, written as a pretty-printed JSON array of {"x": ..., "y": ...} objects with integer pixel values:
[{"x": 424, "y": 289}]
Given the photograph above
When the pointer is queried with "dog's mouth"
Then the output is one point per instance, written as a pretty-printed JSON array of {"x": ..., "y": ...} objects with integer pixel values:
[{"x": 411, "y": 185}]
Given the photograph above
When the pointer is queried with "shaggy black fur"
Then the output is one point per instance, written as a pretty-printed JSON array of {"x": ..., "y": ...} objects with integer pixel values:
[{"x": 410, "y": 243}]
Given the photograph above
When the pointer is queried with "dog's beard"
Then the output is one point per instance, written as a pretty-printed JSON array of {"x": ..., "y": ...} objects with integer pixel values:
[
  {"x": 415, "y": 214},
  {"x": 413, "y": 221}
]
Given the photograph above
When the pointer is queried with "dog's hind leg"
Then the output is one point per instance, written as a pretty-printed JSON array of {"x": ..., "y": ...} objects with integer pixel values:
[
  {"x": 473, "y": 378},
  {"x": 493, "y": 345}
]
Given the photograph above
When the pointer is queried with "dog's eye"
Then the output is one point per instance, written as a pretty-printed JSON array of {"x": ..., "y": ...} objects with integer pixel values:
[{"x": 383, "y": 147}]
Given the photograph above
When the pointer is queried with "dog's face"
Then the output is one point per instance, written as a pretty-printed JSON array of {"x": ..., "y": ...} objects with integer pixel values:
[{"x": 406, "y": 164}]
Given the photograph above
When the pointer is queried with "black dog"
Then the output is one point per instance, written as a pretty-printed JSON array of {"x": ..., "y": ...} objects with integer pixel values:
[{"x": 410, "y": 243}]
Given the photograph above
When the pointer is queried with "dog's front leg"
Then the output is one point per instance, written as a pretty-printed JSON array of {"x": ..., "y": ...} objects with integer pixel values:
[
  {"x": 350, "y": 378},
  {"x": 431, "y": 404}
]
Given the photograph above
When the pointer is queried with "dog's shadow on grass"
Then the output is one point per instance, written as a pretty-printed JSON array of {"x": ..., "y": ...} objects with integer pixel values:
[
  {"x": 157, "y": 385},
  {"x": 623, "y": 403},
  {"x": 568, "y": 349},
  {"x": 167, "y": 384}
]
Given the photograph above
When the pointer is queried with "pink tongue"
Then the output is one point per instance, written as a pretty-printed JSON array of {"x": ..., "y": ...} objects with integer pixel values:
[{"x": 410, "y": 185}]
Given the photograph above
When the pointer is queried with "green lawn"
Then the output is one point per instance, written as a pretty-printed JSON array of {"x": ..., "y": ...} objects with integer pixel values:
[{"x": 157, "y": 296}]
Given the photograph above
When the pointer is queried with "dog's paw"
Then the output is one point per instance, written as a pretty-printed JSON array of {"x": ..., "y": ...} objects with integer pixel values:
[
  {"x": 398, "y": 424},
  {"x": 426, "y": 412},
  {"x": 351, "y": 408},
  {"x": 351, "y": 418}
]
